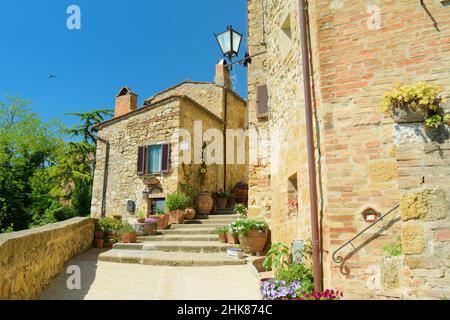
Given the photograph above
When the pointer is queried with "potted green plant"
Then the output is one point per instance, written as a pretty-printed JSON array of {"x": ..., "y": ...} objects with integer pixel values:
[
  {"x": 189, "y": 190},
  {"x": 98, "y": 233},
  {"x": 221, "y": 199},
  {"x": 140, "y": 216},
  {"x": 110, "y": 228},
  {"x": 416, "y": 103},
  {"x": 232, "y": 234},
  {"x": 161, "y": 217},
  {"x": 231, "y": 199},
  {"x": 252, "y": 234},
  {"x": 128, "y": 233},
  {"x": 176, "y": 204},
  {"x": 240, "y": 209},
  {"x": 222, "y": 233}
]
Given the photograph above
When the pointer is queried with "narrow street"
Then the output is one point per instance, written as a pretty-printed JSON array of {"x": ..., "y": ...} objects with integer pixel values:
[{"x": 110, "y": 281}]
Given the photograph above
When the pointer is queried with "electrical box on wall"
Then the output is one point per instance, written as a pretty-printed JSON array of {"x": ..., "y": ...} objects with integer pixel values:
[
  {"x": 131, "y": 206},
  {"x": 445, "y": 3}
]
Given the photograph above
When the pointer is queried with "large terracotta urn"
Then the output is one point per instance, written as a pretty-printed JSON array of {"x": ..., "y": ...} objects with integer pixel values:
[
  {"x": 254, "y": 241},
  {"x": 204, "y": 203}
]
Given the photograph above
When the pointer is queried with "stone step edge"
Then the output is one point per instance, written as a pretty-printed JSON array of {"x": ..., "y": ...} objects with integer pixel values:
[{"x": 173, "y": 262}]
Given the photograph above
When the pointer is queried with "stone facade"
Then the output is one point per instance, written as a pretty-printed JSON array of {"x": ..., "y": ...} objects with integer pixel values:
[
  {"x": 163, "y": 119},
  {"x": 359, "y": 50},
  {"x": 30, "y": 259}
]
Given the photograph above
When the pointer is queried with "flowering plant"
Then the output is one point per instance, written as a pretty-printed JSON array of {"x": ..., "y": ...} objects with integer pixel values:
[
  {"x": 325, "y": 295},
  {"x": 280, "y": 290},
  {"x": 243, "y": 226},
  {"x": 151, "y": 221}
]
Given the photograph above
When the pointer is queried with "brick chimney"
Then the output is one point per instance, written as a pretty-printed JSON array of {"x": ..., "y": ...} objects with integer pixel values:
[
  {"x": 126, "y": 101},
  {"x": 222, "y": 74}
]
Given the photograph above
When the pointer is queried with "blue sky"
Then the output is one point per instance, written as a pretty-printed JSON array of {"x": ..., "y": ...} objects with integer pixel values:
[{"x": 148, "y": 45}]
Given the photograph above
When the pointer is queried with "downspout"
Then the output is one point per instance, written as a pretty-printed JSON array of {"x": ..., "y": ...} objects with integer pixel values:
[
  {"x": 105, "y": 175},
  {"x": 225, "y": 114},
  {"x": 316, "y": 245}
]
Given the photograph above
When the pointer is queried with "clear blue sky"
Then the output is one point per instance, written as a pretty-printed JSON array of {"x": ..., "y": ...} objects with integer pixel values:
[{"x": 148, "y": 45}]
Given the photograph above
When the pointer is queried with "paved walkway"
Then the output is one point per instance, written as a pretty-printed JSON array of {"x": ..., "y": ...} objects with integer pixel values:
[{"x": 117, "y": 281}]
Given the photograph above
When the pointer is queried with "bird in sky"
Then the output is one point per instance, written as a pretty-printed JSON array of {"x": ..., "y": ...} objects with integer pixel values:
[{"x": 52, "y": 76}]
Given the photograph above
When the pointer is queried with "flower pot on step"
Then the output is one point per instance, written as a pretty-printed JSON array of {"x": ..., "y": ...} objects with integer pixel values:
[
  {"x": 129, "y": 237},
  {"x": 176, "y": 217},
  {"x": 189, "y": 214},
  {"x": 223, "y": 238},
  {"x": 204, "y": 203},
  {"x": 221, "y": 203},
  {"x": 254, "y": 241},
  {"x": 98, "y": 234},
  {"x": 162, "y": 220},
  {"x": 98, "y": 243},
  {"x": 232, "y": 239}
]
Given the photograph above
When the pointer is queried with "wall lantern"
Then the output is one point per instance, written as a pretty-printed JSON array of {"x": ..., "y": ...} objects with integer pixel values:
[
  {"x": 370, "y": 215},
  {"x": 229, "y": 42}
]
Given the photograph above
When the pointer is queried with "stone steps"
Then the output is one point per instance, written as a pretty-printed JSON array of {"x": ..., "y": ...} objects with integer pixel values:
[
  {"x": 181, "y": 246},
  {"x": 209, "y": 221},
  {"x": 180, "y": 237},
  {"x": 197, "y": 226},
  {"x": 218, "y": 217},
  {"x": 161, "y": 258},
  {"x": 202, "y": 229}
]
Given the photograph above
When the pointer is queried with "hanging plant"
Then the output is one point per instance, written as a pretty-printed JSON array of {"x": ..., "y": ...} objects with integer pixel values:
[{"x": 415, "y": 103}]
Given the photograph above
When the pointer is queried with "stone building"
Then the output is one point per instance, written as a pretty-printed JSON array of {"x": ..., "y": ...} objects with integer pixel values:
[
  {"x": 366, "y": 163},
  {"x": 145, "y": 153}
]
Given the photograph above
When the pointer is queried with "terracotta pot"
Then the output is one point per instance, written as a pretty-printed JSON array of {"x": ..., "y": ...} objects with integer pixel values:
[
  {"x": 167, "y": 220},
  {"x": 129, "y": 237},
  {"x": 204, "y": 203},
  {"x": 232, "y": 239},
  {"x": 176, "y": 217},
  {"x": 99, "y": 234},
  {"x": 189, "y": 213},
  {"x": 162, "y": 219},
  {"x": 221, "y": 203},
  {"x": 98, "y": 243},
  {"x": 223, "y": 238},
  {"x": 254, "y": 241},
  {"x": 141, "y": 220}
]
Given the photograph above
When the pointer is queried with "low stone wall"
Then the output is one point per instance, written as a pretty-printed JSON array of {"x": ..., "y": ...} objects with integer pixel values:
[{"x": 30, "y": 259}]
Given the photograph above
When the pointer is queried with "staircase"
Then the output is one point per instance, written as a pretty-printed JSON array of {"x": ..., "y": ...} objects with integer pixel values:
[{"x": 192, "y": 243}]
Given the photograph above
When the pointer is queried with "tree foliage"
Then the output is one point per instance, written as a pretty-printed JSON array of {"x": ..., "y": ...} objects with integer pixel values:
[{"x": 44, "y": 179}]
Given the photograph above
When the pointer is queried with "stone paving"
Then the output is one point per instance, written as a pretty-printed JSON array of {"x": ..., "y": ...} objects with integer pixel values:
[{"x": 121, "y": 281}]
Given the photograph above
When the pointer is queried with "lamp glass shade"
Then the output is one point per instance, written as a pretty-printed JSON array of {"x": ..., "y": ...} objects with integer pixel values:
[
  {"x": 224, "y": 40},
  {"x": 237, "y": 38}
]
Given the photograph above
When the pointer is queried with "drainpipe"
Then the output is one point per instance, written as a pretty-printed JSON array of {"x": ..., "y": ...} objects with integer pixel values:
[
  {"x": 316, "y": 256},
  {"x": 105, "y": 175},
  {"x": 225, "y": 120}
]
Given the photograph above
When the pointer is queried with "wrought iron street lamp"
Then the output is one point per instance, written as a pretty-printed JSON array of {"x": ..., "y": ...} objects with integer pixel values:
[{"x": 229, "y": 42}]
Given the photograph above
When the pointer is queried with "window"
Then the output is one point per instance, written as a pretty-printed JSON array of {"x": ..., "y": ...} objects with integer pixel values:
[
  {"x": 293, "y": 196},
  {"x": 262, "y": 102},
  {"x": 153, "y": 159},
  {"x": 158, "y": 204},
  {"x": 285, "y": 36}
]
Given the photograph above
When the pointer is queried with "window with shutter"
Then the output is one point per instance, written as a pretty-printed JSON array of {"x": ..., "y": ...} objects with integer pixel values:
[
  {"x": 262, "y": 101},
  {"x": 165, "y": 161},
  {"x": 141, "y": 161}
]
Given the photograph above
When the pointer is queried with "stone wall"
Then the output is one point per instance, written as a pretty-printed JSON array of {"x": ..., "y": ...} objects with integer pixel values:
[
  {"x": 30, "y": 259},
  {"x": 424, "y": 166},
  {"x": 354, "y": 62},
  {"x": 260, "y": 195}
]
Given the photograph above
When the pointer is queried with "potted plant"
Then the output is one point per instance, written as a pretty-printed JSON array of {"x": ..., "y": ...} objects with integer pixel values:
[
  {"x": 240, "y": 209},
  {"x": 252, "y": 234},
  {"x": 189, "y": 190},
  {"x": 232, "y": 234},
  {"x": 161, "y": 217},
  {"x": 416, "y": 103},
  {"x": 176, "y": 204},
  {"x": 241, "y": 192},
  {"x": 98, "y": 233},
  {"x": 222, "y": 233},
  {"x": 221, "y": 199},
  {"x": 151, "y": 180},
  {"x": 128, "y": 233},
  {"x": 152, "y": 226},
  {"x": 110, "y": 228},
  {"x": 231, "y": 199},
  {"x": 140, "y": 215}
]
